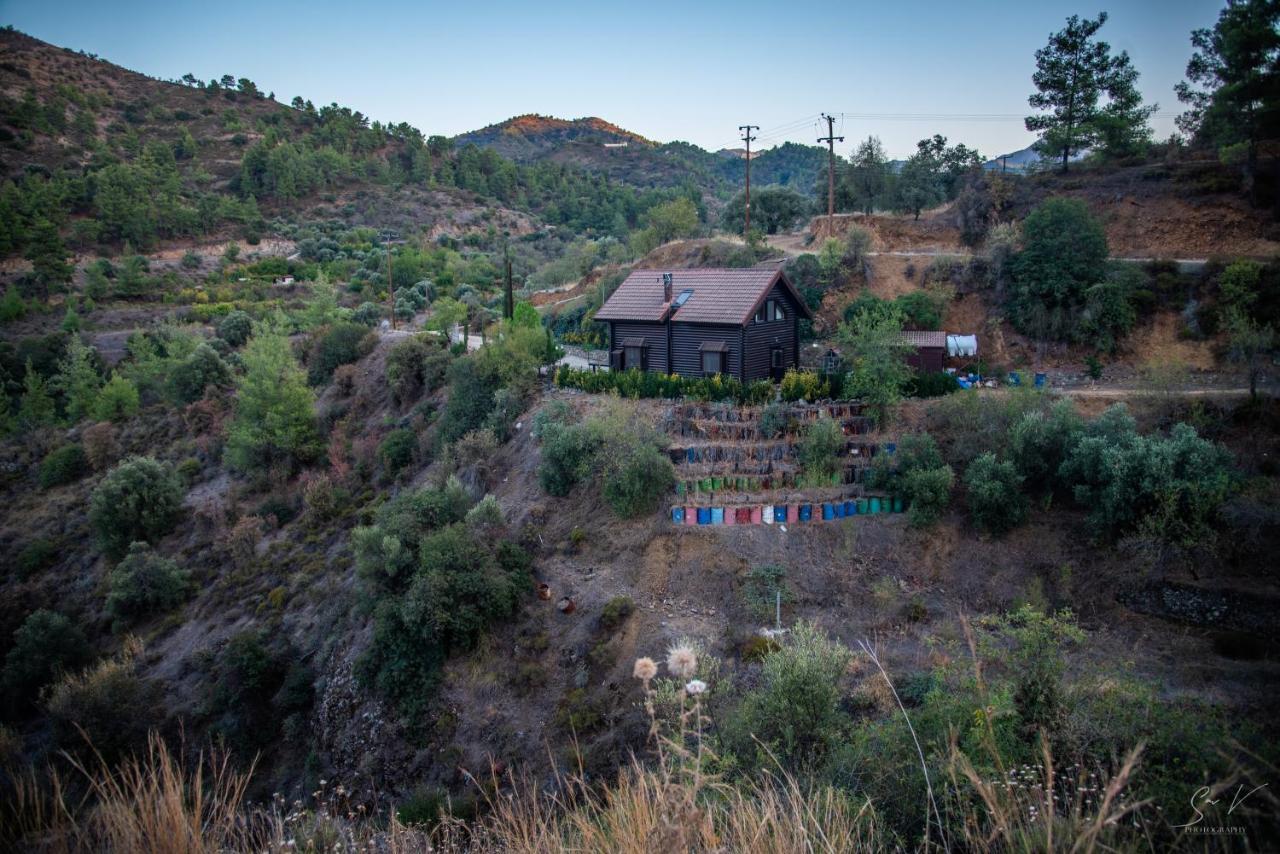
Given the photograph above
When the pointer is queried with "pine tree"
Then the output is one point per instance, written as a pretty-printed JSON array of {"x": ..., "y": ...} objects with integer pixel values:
[
  {"x": 274, "y": 421},
  {"x": 1233, "y": 82},
  {"x": 78, "y": 379},
  {"x": 48, "y": 256},
  {"x": 1073, "y": 72},
  {"x": 36, "y": 408}
]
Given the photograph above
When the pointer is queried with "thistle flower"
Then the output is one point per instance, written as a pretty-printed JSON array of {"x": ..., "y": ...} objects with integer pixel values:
[
  {"x": 695, "y": 687},
  {"x": 682, "y": 661},
  {"x": 645, "y": 669}
]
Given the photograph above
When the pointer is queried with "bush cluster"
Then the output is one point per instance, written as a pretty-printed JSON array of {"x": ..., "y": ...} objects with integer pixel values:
[
  {"x": 137, "y": 501},
  {"x": 637, "y": 384},
  {"x": 145, "y": 584},
  {"x": 63, "y": 465},
  {"x": 437, "y": 584},
  {"x": 629, "y": 458},
  {"x": 917, "y": 472}
]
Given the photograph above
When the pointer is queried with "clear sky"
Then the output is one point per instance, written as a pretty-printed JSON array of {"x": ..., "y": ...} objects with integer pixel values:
[{"x": 688, "y": 71}]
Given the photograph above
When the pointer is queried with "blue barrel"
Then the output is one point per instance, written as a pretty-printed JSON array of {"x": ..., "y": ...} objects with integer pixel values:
[
  {"x": 806, "y": 512},
  {"x": 851, "y": 508},
  {"x": 717, "y": 515},
  {"x": 827, "y": 513},
  {"x": 780, "y": 513},
  {"x": 704, "y": 515},
  {"x": 1040, "y": 380},
  {"x": 838, "y": 509},
  {"x": 677, "y": 515}
]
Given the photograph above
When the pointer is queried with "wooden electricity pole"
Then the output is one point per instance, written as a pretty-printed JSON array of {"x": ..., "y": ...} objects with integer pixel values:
[
  {"x": 508, "y": 301},
  {"x": 830, "y": 139},
  {"x": 747, "y": 137},
  {"x": 391, "y": 287}
]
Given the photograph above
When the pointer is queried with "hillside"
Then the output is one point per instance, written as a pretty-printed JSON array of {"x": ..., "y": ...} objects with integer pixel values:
[{"x": 290, "y": 490}]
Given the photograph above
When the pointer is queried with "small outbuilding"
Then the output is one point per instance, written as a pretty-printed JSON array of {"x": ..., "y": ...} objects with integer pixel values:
[
  {"x": 929, "y": 349},
  {"x": 742, "y": 323}
]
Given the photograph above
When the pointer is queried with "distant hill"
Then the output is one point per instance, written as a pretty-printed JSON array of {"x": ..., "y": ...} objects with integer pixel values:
[
  {"x": 532, "y": 137},
  {"x": 601, "y": 146},
  {"x": 1016, "y": 161}
]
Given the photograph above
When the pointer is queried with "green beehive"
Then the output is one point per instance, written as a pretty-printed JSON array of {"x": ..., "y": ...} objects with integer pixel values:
[
  {"x": 875, "y": 505},
  {"x": 897, "y": 504}
]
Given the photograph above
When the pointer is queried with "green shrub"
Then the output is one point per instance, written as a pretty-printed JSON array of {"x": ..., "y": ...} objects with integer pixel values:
[
  {"x": 416, "y": 366},
  {"x": 340, "y": 344},
  {"x": 387, "y": 551},
  {"x": 636, "y": 479},
  {"x": 568, "y": 455},
  {"x": 367, "y": 314},
  {"x": 821, "y": 451},
  {"x": 138, "y": 500},
  {"x": 456, "y": 589},
  {"x": 775, "y": 419},
  {"x": 928, "y": 491},
  {"x": 931, "y": 384},
  {"x": 917, "y": 473},
  {"x": 202, "y": 369},
  {"x": 145, "y": 584},
  {"x": 63, "y": 465},
  {"x": 803, "y": 385},
  {"x": 46, "y": 644},
  {"x": 1038, "y": 444},
  {"x": 616, "y": 611},
  {"x": 35, "y": 556},
  {"x": 796, "y": 713},
  {"x": 258, "y": 688},
  {"x": 107, "y": 704},
  {"x": 994, "y": 487},
  {"x": 637, "y": 384},
  {"x": 397, "y": 449},
  {"x": 1064, "y": 254},
  {"x": 235, "y": 328},
  {"x": 1167, "y": 489},
  {"x": 118, "y": 400}
]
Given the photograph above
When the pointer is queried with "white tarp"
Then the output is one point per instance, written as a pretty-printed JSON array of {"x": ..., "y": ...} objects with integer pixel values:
[{"x": 962, "y": 345}]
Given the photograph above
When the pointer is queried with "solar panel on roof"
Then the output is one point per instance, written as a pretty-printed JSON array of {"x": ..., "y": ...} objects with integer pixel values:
[{"x": 683, "y": 297}]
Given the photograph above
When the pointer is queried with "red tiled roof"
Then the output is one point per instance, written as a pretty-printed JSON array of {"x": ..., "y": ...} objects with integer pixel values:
[
  {"x": 720, "y": 295},
  {"x": 923, "y": 338}
]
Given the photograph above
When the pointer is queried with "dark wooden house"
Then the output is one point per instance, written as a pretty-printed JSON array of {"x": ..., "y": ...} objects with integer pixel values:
[{"x": 743, "y": 323}]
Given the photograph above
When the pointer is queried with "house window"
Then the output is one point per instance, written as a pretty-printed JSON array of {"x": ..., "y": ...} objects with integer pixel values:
[
  {"x": 634, "y": 357},
  {"x": 762, "y": 314},
  {"x": 775, "y": 311},
  {"x": 775, "y": 357},
  {"x": 712, "y": 362}
]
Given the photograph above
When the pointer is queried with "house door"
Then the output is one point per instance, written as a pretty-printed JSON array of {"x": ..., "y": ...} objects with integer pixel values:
[{"x": 776, "y": 366}]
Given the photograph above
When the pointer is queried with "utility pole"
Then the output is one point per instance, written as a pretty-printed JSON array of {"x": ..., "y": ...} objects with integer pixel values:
[
  {"x": 391, "y": 287},
  {"x": 747, "y": 138},
  {"x": 508, "y": 302},
  {"x": 830, "y": 139}
]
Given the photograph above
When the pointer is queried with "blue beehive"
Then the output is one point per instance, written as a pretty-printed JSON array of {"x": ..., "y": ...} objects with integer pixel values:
[
  {"x": 806, "y": 512},
  {"x": 717, "y": 515},
  {"x": 704, "y": 515},
  {"x": 677, "y": 515},
  {"x": 780, "y": 513},
  {"x": 851, "y": 508}
]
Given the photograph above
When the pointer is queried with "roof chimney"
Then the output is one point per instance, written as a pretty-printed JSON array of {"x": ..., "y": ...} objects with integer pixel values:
[{"x": 666, "y": 287}]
